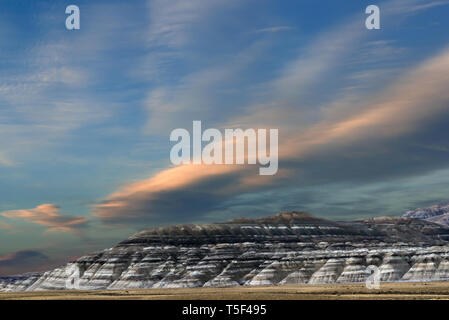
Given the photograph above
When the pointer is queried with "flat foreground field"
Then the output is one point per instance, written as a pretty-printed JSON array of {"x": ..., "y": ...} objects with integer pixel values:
[{"x": 394, "y": 290}]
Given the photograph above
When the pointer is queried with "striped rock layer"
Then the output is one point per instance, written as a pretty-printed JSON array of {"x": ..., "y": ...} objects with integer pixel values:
[{"x": 286, "y": 249}]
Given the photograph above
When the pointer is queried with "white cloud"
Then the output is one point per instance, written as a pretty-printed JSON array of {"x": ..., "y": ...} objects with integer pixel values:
[
  {"x": 427, "y": 6},
  {"x": 274, "y": 29},
  {"x": 48, "y": 215},
  {"x": 396, "y": 110},
  {"x": 172, "y": 21},
  {"x": 195, "y": 96}
]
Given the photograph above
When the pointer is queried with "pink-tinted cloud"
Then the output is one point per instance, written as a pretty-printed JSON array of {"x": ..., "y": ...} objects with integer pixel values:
[
  {"x": 48, "y": 215},
  {"x": 6, "y": 226},
  {"x": 419, "y": 96}
]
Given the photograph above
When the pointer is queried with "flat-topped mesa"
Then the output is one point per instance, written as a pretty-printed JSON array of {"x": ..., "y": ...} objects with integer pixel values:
[
  {"x": 293, "y": 227},
  {"x": 287, "y": 248},
  {"x": 287, "y": 218},
  {"x": 282, "y": 227}
]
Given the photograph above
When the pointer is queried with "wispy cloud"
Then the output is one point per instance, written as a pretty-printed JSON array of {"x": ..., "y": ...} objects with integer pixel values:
[
  {"x": 171, "y": 22},
  {"x": 395, "y": 113},
  {"x": 54, "y": 90},
  {"x": 274, "y": 29},
  {"x": 48, "y": 215},
  {"x": 196, "y": 95},
  {"x": 335, "y": 98},
  {"x": 377, "y": 121},
  {"x": 428, "y": 5}
]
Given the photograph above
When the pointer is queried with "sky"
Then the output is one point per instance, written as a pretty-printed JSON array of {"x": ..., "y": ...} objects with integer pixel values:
[{"x": 86, "y": 115}]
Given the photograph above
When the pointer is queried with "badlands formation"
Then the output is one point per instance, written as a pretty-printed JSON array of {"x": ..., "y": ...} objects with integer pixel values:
[
  {"x": 286, "y": 249},
  {"x": 438, "y": 213}
]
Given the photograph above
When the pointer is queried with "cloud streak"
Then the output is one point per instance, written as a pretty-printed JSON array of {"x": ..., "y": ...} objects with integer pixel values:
[
  {"x": 48, "y": 215},
  {"x": 427, "y": 6},
  {"x": 407, "y": 107},
  {"x": 274, "y": 29}
]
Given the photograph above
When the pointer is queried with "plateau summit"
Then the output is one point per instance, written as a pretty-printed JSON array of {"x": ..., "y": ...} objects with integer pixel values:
[{"x": 287, "y": 248}]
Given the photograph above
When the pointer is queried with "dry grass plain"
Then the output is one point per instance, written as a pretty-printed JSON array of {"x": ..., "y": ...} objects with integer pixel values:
[{"x": 387, "y": 291}]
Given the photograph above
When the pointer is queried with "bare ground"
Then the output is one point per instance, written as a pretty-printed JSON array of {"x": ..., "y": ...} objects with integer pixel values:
[{"x": 393, "y": 290}]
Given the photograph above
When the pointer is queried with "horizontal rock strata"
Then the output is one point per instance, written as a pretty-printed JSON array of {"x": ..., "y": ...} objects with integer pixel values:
[{"x": 286, "y": 249}]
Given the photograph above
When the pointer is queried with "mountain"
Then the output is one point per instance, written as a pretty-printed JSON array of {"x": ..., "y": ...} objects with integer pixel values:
[
  {"x": 287, "y": 248},
  {"x": 438, "y": 213}
]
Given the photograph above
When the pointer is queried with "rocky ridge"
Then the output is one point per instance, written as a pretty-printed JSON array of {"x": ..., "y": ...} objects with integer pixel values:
[
  {"x": 288, "y": 248},
  {"x": 438, "y": 213}
]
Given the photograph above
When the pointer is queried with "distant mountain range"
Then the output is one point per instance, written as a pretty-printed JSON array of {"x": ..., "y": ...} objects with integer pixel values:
[
  {"x": 287, "y": 248},
  {"x": 438, "y": 213}
]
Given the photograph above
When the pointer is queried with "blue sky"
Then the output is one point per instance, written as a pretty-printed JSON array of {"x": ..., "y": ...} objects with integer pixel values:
[{"x": 85, "y": 115}]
